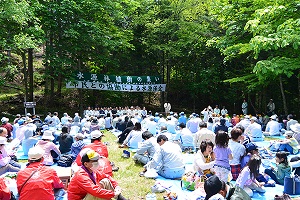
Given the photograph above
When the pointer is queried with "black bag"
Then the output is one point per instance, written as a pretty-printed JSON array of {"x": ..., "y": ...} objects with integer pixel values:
[
  {"x": 12, "y": 196},
  {"x": 65, "y": 161}
]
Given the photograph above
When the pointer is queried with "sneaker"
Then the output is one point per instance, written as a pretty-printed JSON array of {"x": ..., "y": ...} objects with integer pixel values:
[{"x": 157, "y": 188}]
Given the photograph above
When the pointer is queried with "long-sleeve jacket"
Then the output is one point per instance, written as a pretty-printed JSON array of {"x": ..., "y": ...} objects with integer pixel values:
[
  {"x": 4, "y": 190},
  {"x": 40, "y": 185},
  {"x": 47, "y": 147},
  {"x": 282, "y": 171},
  {"x": 81, "y": 185}
]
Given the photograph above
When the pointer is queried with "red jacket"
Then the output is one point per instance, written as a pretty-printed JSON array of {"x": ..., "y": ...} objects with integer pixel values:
[
  {"x": 81, "y": 185},
  {"x": 101, "y": 149},
  {"x": 40, "y": 185},
  {"x": 4, "y": 190},
  {"x": 9, "y": 128}
]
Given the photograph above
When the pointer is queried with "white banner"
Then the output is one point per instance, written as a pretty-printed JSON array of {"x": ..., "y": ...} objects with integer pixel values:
[{"x": 117, "y": 87}]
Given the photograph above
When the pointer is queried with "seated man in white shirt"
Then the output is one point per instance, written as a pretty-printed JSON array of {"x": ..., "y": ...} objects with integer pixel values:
[
  {"x": 254, "y": 131},
  {"x": 168, "y": 161},
  {"x": 147, "y": 148},
  {"x": 203, "y": 134},
  {"x": 273, "y": 127}
]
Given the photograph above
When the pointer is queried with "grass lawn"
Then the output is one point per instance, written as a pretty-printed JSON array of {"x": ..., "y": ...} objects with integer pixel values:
[{"x": 133, "y": 186}]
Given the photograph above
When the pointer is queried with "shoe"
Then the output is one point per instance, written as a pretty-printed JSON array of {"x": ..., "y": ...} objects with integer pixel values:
[
  {"x": 142, "y": 174},
  {"x": 269, "y": 185},
  {"x": 126, "y": 154},
  {"x": 157, "y": 188},
  {"x": 115, "y": 169}
]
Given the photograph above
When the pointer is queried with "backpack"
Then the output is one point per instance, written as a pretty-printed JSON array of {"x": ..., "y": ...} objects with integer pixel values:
[{"x": 65, "y": 161}]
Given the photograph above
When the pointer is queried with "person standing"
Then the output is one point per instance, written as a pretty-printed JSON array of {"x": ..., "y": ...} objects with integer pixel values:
[
  {"x": 271, "y": 107},
  {"x": 217, "y": 110},
  {"x": 37, "y": 181},
  {"x": 222, "y": 156},
  {"x": 245, "y": 107},
  {"x": 167, "y": 107},
  {"x": 224, "y": 111},
  {"x": 238, "y": 151}
]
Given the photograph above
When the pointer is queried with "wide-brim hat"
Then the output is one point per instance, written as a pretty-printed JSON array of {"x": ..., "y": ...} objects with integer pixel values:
[
  {"x": 295, "y": 128},
  {"x": 47, "y": 135}
]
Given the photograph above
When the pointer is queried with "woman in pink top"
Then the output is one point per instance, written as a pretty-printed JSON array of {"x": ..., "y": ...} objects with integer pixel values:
[{"x": 47, "y": 145}]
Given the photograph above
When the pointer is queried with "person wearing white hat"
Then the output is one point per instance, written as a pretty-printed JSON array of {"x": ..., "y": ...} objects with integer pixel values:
[
  {"x": 289, "y": 144},
  {"x": 7, "y": 125},
  {"x": 273, "y": 127},
  {"x": 37, "y": 181},
  {"x": 51, "y": 151},
  {"x": 254, "y": 131},
  {"x": 6, "y": 163}
]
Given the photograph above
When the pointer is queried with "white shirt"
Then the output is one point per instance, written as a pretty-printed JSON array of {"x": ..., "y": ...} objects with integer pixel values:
[
  {"x": 254, "y": 130},
  {"x": 151, "y": 126},
  {"x": 168, "y": 157},
  {"x": 273, "y": 127},
  {"x": 238, "y": 150},
  {"x": 204, "y": 134}
]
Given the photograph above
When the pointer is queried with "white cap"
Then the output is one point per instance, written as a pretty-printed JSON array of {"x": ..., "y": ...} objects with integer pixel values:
[
  {"x": 79, "y": 136},
  {"x": 47, "y": 135},
  {"x": 35, "y": 153},
  {"x": 273, "y": 117},
  {"x": 4, "y": 119},
  {"x": 96, "y": 134}
]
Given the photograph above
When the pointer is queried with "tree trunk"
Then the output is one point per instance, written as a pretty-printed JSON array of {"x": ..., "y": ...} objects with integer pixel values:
[
  {"x": 283, "y": 96},
  {"x": 25, "y": 75},
  {"x": 162, "y": 94},
  {"x": 59, "y": 85},
  {"x": 298, "y": 77},
  {"x": 30, "y": 73}
]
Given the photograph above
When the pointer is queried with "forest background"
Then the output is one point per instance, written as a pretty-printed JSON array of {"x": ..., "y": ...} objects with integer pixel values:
[{"x": 208, "y": 52}]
